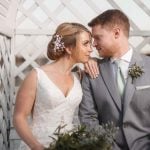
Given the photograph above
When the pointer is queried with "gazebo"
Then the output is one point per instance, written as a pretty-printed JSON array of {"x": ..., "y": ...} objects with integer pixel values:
[{"x": 26, "y": 27}]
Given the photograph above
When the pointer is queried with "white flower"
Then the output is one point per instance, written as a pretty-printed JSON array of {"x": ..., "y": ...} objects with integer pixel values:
[{"x": 135, "y": 71}]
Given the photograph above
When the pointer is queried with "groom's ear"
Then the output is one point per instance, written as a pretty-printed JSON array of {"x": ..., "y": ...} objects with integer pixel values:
[{"x": 116, "y": 31}]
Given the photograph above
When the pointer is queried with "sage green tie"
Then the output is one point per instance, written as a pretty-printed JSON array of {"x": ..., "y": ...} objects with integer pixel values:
[{"x": 120, "y": 78}]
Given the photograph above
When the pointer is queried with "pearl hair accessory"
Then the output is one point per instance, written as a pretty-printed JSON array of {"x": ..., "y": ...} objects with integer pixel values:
[{"x": 58, "y": 44}]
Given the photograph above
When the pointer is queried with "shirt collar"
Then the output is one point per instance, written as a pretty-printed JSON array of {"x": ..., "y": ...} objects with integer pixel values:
[{"x": 126, "y": 57}]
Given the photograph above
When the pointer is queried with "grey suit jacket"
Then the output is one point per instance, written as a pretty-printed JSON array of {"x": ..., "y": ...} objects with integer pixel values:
[{"x": 101, "y": 103}]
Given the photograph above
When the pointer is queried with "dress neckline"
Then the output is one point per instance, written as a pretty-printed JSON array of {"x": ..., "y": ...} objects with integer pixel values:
[{"x": 57, "y": 87}]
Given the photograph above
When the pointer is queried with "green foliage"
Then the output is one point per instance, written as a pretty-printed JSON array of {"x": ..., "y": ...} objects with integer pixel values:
[{"x": 81, "y": 138}]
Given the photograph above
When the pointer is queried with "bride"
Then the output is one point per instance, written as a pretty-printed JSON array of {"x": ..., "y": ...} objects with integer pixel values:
[{"x": 51, "y": 93}]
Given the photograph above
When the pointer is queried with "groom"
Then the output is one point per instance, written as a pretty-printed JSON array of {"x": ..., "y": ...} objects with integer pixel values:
[{"x": 115, "y": 95}]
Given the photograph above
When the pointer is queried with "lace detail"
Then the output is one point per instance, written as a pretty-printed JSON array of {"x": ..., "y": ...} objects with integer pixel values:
[{"x": 52, "y": 107}]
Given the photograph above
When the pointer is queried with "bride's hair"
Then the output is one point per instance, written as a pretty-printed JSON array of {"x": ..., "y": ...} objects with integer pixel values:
[{"x": 65, "y": 36}]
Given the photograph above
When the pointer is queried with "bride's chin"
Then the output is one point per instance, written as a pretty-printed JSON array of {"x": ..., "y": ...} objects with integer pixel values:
[{"x": 86, "y": 60}]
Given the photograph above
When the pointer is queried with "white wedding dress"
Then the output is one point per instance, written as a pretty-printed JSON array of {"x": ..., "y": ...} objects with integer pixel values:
[{"x": 52, "y": 108}]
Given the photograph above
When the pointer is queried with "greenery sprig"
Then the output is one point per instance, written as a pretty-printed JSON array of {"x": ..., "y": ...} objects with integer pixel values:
[
  {"x": 82, "y": 138},
  {"x": 135, "y": 71}
]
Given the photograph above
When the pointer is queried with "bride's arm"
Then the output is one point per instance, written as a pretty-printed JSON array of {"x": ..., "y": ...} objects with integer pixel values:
[{"x": 23, "y": 108}]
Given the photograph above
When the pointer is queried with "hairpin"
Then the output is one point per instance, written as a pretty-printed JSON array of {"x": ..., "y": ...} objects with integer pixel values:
[{"x": 58, "y": 44}]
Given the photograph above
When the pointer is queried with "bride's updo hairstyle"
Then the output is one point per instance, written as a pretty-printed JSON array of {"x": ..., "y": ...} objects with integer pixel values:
[{"x": 65, "y": 36}]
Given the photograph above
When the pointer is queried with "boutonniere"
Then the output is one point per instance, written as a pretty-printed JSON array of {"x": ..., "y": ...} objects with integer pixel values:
[{"x": 135, "y": 71}]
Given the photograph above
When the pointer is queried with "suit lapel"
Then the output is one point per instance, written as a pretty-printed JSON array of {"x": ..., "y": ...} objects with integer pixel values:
[
  {"x": 106, "y": 70},
  {"x": 130, "y": 87}
]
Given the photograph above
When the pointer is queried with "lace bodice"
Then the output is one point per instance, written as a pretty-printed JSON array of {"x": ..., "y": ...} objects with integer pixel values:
[{"x": 51, "y": 107}]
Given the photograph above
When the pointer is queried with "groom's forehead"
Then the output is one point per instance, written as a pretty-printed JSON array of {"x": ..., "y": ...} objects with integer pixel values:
[
  {"x": 97, "y": 34},
  {"x": 98, "y": 28}
]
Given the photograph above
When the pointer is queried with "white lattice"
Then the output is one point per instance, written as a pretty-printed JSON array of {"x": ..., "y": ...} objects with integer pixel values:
[
  {"x": 6, "y": 91},
  {"x": 8, "y": 10}
]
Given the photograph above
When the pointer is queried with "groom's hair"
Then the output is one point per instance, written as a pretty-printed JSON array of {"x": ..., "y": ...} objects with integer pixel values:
[{"x": 111, "y": 18}]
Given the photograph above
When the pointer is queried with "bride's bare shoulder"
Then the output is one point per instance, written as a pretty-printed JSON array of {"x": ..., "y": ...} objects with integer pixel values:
[{"x": 47, "y": 67}]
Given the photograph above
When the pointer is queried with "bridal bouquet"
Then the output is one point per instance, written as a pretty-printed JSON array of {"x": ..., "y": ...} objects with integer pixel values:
[{"x": 82, "y": 138}]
